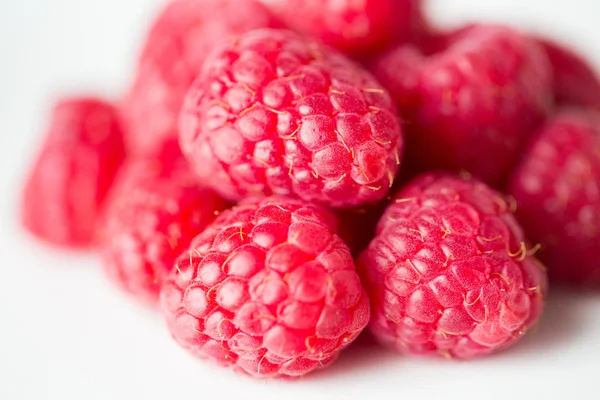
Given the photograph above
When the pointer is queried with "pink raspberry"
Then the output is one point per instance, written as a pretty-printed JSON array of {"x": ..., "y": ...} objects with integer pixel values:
[
  {"x": 557, "y": 187},
  {"x": 275, "y": 113},
  {"x": 79, "y": 157},
  {"x": 575, "y": 81},
  {"x": 449, "y": 272},
  {"x": 359, "y": 28},
  {"x": 155, "y": 210},
  {"x": 399, "y": 71},
  {"x": 268, "y": 289},
  {"x": 173, "y": 53},
  {"x": 473, "y": 105}
]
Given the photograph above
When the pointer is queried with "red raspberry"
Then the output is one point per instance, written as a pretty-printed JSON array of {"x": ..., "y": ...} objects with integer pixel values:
[
  {"x": 399, "y": 71},
  {"x": 275, "y": 113},
  {"x": 557, "y": 187},
  {"x": 173, "y": 53},
  {"x": 356, "y": 27},
  {"x": 575, "y": 81},
  {"x": 471, "y": 106},
  {"x": 449, "y": 272},
  {"x": 154, "y": 212},
  {"x": 79, "y": 157},
  {"x": 268, "y": 289}
]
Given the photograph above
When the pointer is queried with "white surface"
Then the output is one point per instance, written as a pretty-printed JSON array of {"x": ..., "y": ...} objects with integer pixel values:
[{"x": 67, "y": 334}]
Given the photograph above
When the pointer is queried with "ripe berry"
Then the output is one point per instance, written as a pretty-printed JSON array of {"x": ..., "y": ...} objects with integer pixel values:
[
  {"x": 557, "y": 187},
  {"x": 79, "y": 157},
  {"x": 268, "y": 289},
  {"x": 155, "y": 210},
  {"x": 173, "y": 53},
  {"x": 473, "y": 105},
  {"x": 575, "y": 81},
  {"x": 275, "y": 113},
  {"x": 449, "y": 272},
  {"x": 359, "y": 28}
]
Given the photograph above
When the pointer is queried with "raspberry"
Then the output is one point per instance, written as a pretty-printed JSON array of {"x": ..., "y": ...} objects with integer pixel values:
[
  {"x": 471, "y": 106},
  {"x": 275, "y": 113},
  {"x": 557, "y": 187},
  {"x": 356, "y": 27},
  {"x": 173, "y": 53},
  {"x": 399, "y": 71},
  {"x": 575, "y": 81},
  {"x": 449, "y": 272},
  {"x": 154, "y": 212},
  {"x": 79, "y": 157},
  {"x": 268, "y": 289}
]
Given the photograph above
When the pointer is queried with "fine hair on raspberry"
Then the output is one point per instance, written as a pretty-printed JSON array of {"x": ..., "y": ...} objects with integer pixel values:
[
  {"x": 268, "y": 289},
  {"x": 276, "y": 113},
  {"x": 449, "y": 271}
]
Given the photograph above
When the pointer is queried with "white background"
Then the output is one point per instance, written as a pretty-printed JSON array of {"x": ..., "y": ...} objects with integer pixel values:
[{"x": 67, "y": 334}]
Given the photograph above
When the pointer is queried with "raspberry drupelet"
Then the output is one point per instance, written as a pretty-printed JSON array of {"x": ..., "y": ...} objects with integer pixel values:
[
  {"x": 472, "y": 105},
  {"x": 449, "y": 272},
  {"x": 154, "y": 211},
  {"x": 557, "y": 187},
  {"x": 276, "y": 113},
  {"x": 174, "y": 50},
  {"x": 358, "y": 28},
  {"x": 268, "y": 289},
  {"x": 79, "y": 158}
]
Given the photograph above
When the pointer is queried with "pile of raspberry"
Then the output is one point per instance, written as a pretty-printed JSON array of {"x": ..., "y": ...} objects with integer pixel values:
[{"x": 282, "y": 175}]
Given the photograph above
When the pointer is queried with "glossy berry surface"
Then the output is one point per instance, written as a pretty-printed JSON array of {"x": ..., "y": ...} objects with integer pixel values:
[
  {"x": 154, "y": 211},
  {"x": 474, "y": 104},
  {"x": 173, "y": 52},
  {"x": 358, "y": 28},
  {"x": 68, "y": 182},
  {"x": 557, "y": 187},
  {"x": 276, "y": 113},
  {"x": 576, "y": 82},
  {"x": 268, "y": 289},
  {"x": 449, "y": 272}
]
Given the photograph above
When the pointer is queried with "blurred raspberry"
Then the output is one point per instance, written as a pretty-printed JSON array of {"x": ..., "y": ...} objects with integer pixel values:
[
  {"x": 399, "y": 70},
  {"x": 79, "y": 157},
  {"x": 359, "y": 28},
  {"x": 268, "y": 289},
  {"x": 154, "y": 211},
  {"x": 449, "y": 272},
  {"x": 275, "y": 113},
  {"x": 575, "y": 81},
  {"x": 557, "y": 187},
  {"x": 473, "y": 105},
  {"x": 180, "y": 38}
]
